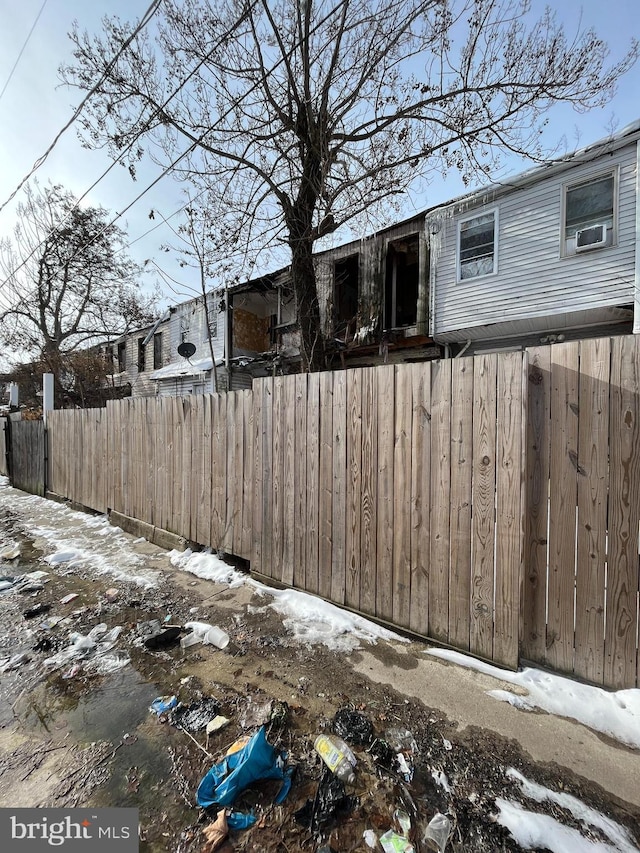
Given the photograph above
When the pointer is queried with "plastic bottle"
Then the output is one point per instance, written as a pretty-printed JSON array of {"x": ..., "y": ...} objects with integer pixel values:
[{"x": 337, "y": 756}]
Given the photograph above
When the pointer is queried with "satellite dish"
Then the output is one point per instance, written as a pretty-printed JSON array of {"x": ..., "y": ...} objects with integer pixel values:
[{"x": 186, "y": 349}]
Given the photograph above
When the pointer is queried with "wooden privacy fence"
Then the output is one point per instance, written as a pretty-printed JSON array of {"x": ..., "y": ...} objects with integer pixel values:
[
  {"x": 365, "y": 483},
  {"x": 24, "y": 454},
  {"x": 492, "y": 503},
  {"x": 179, "y": 464}
]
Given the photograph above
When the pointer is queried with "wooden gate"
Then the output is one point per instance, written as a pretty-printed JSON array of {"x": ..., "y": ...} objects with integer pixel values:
[{"x": 27, "y": 456}]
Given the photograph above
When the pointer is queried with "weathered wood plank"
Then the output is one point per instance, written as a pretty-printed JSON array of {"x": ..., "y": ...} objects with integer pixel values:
[
  {"x": 420, "y": 496},
  {"x": 593, "y": 486},
  {"x": 538, "y": 449},
  {"x": 440, "y": 509},
  {"x": 369, "y": 524},
  {"x": 247, "y": 473},
  {"x": 203, "y": 522},
  {"x": 339, "y": 489},
  {"x": 300, "y": 482},
  {"x": 288, "y": 497},
  {"x": 231, "y": 471},
  {"x": 402, "y": 473},
  {"x": 562, "y": 507},
  {"x": 313, "y": 482},
  {"x": 386, "y": 430},
  {"x": 461, "y": 470},
  {"x": 354, "y": 487},
  {"x": 267, "y": 477},
  {"x": 277, "y": 476},
  {"x": 621, "y": 665},
  {"x": 325, "y": 513},
  {"x": 258, "y": 481},
  {"x": 509, "y": 523},
  {"x": 483, "y": 520}
]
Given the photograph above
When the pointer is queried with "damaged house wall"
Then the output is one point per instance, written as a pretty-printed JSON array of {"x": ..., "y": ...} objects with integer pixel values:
[{"x": 374, "y": 295}]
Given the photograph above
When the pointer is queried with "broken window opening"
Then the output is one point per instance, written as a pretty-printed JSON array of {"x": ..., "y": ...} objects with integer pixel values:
[
  {"x": 157, "y": 350},
  {"x": 346, "y": 277},
  {"x": 140, "y": 355},
  {"x": 122, "y": 356},
  {"x": 401, "y": 283}
]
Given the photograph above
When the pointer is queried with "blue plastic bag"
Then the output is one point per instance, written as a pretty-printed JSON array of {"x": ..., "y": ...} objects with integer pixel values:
[{"x": 225, "y": 781}]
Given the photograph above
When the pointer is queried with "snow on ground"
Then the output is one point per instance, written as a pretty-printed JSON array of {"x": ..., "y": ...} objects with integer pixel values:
[
  {"x": 614, "y": 714},
  {"x": 310, "y": 619},
  {"x": 533, "y": 830},
  {"x": 76, "y": 540}
]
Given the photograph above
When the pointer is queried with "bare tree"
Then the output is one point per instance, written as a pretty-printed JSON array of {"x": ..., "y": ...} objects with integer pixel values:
[
  {"x": 67, "y": 280},
  {"x": 303, "y": 115}
]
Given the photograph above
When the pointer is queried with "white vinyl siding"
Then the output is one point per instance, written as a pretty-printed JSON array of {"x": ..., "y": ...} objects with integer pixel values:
[{"x": 532, "y": 278}]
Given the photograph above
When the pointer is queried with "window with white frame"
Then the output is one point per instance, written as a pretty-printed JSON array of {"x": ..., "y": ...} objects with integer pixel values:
[
  {"x": 589, "y": 214},
  {"x": 477, "y": 246}
]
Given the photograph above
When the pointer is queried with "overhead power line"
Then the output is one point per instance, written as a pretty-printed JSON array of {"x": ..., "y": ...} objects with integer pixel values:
[
  {"x": 142, "y": 23},
  {"x": 22, "y": 49}
]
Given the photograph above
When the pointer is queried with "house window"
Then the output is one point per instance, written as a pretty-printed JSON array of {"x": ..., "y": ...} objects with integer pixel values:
[
  {"x": 212, "y": 319},
  {"x": 477, "y": 255},
  {"x": 140, "y": 355},
  {"x": 589, "y": 219},
  {"x": 108, "y": 357},
  {"x": 345, "y": 294},
  {"x": 157, "y": 350},
  {"x": 122, "y": 356},
  {"x": 401, "y": 283}
]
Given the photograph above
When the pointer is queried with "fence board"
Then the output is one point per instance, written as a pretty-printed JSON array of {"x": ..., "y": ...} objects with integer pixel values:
[
  {"x": 258, "y": 476},
  {"x": 369, "y": 522},
  {"x": 420, "y": 497},
  {"x": 247, "y": 474},
  {"x": 593, "y": 484},
  {"x": 402, "y": 474},
  {"x": 534, "y": 598},
  {"x": 624, "y": 515},
  {"x": 339, "y": 489},
  {"x": 277, "y": 478},
  {"x": 562, "y": 509},
  {"x": 288, "y": 474},
  {"x": 508, "y": 511},
  {"x": 300, "y": 482},
  {"x": 484, "y": 479},
  {"x": 384, "y": 553},
  {"x": 325, "y": 500},
  {"x": 460, "y": 513},
  {"x": 440, "y": 487},
  {"x": 353, "y": 511},
  {"x": 313, "y": 481}
]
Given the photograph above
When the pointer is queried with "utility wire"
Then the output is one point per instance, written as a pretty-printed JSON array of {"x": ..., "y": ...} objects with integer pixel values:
[
  {"x": 22, "y": 49},
  {"x": 153, "y": 8}
]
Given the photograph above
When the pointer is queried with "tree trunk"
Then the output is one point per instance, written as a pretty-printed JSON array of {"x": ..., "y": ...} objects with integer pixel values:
[{"x": 303, "y": 278}]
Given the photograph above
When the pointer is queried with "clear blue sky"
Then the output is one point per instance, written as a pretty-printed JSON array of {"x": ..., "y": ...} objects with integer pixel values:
[{"x": 34, "y": 107}]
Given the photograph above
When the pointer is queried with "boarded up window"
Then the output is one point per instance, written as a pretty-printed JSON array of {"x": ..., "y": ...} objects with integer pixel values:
[{"x": 401, "y": 283}]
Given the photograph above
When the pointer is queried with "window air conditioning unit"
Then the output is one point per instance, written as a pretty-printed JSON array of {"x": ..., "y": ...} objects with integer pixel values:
[{"x": 591, "y": 238}]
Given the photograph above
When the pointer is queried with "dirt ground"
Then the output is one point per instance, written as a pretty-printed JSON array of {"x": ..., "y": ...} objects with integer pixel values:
[{"x": 90, "y": 739}]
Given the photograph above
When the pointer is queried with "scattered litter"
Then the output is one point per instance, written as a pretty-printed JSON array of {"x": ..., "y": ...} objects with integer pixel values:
[
  {"x": 14, "y": 662},
  {"x": 337, "y": 756},
  {"x": 111, "y": 594},
  {"x": 209, "y": 634},
  {"x": 24, "y": 587},
  {"x": 353, "y": 725},
  {"x": 167, "y": 637},
  {"x": 402, "y": 821},
  {"x": 189, "y": 640},
  {"x": 216, "y": 724},
  {"x": 72, "y": 672},
  {"x": 330, "y": 803},
  {"x": 38, "y": 575},
  {"x": 51, "y": 622},
  {"x": 43, "y": 644},
  {"x": 256, "y": 714},
  {"x": 401, "y": 740},
  {"x": 68, "y": 598},
  {"x": 32, "y": 612},
  {"x": 163, "y": 704},
  {"x": 226, "y": 780},
  {"x": 195, "y": 716},
  {"x": 98, "y": 642},
  {"x": 406, "y": 771},
  {"x": 6, "y": 583},
  {"x": 447, "y": 744},
  {"x": 370, "y": 838},
  {"x": 437, "y": 832},
  {"x": 391, "y": 842},
  {"x": 215, "y": 834},
  {"x": 10, "y": 551}
]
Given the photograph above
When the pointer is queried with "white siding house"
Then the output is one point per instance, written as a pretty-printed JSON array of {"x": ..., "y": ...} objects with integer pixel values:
[{"x": 553, "y": 250}]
